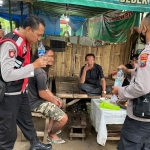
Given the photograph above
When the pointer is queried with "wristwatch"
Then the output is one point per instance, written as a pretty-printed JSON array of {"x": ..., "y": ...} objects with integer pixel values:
[{"x": 104, "y": 92}]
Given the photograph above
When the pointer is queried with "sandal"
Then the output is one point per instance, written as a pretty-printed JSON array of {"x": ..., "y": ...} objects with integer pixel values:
[
  {"x": 56, "y": 141},
  {"x": 58, "y": 132}
]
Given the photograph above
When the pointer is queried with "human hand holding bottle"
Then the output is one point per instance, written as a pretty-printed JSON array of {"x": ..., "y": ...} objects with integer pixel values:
[
  {"x": 118, "y": 83},
  {"x": 39, "y": 63},
  {"x": 115, "y": 90}
]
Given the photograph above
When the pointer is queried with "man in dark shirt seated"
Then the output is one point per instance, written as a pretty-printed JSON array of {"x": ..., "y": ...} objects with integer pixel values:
[
  {"x": 42, "y": 100},
  {"x": 92, "y": 79},
  {"x": 134, "y": 61}
]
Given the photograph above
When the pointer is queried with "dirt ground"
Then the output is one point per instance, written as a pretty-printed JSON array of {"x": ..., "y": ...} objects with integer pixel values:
[{"x": 89, "y": 143}]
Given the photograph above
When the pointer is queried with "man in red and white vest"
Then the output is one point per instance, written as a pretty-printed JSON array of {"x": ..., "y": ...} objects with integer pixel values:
[{"x": 15, "y": 70}]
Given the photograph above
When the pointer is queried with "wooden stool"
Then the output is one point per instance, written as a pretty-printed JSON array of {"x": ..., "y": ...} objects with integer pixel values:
[
  {"x": 41, "y": 133},
  {"x": 79, "y": 123},
  {"x": 73, "y": 134}
]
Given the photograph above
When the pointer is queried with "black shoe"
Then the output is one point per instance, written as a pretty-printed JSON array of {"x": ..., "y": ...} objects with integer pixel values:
[
  {"x": 37, "y": 145},
  {"x": 41, "y": 146}
]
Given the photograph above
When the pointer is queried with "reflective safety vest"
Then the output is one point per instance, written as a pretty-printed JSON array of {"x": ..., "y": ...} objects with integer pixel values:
[{"x": 22, "y": 59}]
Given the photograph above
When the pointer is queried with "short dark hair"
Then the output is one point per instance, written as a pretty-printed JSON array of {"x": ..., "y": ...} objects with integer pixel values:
[
  {"x": 33, "y": 22},
  {"x": 147, "y": 18},
  {"x": 134, "y": 56},
  {"x": 35, "y": 56},
  {"x": 90, "y": 54}
]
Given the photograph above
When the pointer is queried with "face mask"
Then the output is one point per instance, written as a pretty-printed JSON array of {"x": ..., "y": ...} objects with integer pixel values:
[{"x": 143, "y": 38}]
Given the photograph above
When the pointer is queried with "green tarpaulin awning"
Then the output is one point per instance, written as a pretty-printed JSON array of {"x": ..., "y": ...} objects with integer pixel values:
[
  {"x": 73, "y": 10},
  {"x": 132, "y": 5}
]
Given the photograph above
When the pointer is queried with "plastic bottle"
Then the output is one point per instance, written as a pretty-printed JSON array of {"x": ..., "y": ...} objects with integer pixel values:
[
  {"x": 41, "y": 50},
  {"x": 119, "y": 78},
  {"x": 118, "y": 82}
]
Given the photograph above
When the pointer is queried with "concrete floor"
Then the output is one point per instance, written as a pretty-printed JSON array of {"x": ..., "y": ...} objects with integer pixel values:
[{"x": 76, "y": 144}]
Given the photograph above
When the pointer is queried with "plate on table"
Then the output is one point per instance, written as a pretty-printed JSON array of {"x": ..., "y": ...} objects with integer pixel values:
[{"x": 122, "y": 103}]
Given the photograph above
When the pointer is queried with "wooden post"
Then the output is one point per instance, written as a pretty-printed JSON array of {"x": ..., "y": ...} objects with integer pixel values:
[
  {"x": 127, "y": 49},
  {"x": 71, "y": 133},
  {"x": 72, "y": 102},
  {"x": 64, "y": 104},
  {"x": 111, "y": 64},
  {"x": 63, "y": 64}
]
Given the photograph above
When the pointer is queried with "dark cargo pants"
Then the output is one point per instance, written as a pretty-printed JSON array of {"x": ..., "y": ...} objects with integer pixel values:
[
  {"x": 135, "y": 135},
  {"x": 15, "y": 109}
]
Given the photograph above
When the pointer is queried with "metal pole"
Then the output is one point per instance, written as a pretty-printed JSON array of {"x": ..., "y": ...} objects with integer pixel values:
[
  {"x": 21, "y": 7},
  {"x": 29, "y": 8},
  {"x": 10, "y": 15}
]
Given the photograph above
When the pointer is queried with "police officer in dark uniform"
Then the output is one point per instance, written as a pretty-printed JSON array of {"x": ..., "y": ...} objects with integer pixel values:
[
  {"x": 135, "y": 134},
  {"x": 15, "y": 70}
]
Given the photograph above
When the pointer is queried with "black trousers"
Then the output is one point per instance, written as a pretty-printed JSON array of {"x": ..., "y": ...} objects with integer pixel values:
[
  {"x": 93, "y": 90},
  {"x": 135, "y": 135},
  {"x": 14, "y": 109}
]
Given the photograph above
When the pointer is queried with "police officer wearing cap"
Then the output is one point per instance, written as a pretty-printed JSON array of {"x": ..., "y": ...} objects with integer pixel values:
[
  {"x": 135, "y": 134},
  {"x": 15, "y": 70}
]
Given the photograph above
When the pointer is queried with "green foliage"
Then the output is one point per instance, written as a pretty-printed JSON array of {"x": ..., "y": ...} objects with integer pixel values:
[{"x": 6, "y": 25}]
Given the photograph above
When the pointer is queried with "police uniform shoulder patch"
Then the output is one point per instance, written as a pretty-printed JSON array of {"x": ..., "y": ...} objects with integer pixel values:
[
  {"x": 143, "y": 59},
  {"x": 12, "y": 53}
]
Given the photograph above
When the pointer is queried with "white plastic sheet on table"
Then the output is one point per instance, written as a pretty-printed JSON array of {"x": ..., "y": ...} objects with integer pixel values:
[{"x": 101, "y": 117}]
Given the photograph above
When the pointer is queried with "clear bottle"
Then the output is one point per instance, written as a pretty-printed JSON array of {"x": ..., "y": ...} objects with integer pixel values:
[
  {"x": 118, "y": 82},
  {"x": 41, "y": 50},
  {"x": 119, "y": 78}
]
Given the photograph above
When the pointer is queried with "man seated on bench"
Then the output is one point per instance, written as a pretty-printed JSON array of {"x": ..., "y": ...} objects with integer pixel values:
[
  {"x": 92, "y": 79},
  {"x": 42, "y": 100}
]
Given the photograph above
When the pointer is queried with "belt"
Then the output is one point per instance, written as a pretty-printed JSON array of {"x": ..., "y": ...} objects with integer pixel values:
[{"x": 15, "y": 93}]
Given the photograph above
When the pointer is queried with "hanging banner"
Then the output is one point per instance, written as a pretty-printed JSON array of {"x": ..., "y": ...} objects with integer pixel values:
[
  {"x": 130, "y": 5},
  {"x": 112, "y": 29}
]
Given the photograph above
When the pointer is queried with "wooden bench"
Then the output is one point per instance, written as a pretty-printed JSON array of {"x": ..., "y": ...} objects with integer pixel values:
[
  {"x": 67, "y": 87},
  {"x": 42, "y": 133}
]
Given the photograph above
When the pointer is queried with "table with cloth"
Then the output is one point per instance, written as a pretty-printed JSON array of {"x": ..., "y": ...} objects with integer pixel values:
[{"x": 101, "y": 117}]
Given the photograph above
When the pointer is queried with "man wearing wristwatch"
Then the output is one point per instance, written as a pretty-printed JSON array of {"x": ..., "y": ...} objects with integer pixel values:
[{"x": 92, "y": 79}]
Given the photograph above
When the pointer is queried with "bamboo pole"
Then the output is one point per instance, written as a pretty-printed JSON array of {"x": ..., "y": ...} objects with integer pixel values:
[{"x": 21, "y": 17}]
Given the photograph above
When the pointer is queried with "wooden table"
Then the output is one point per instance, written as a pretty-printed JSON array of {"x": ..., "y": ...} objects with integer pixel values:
[{"x": 104, "y": 119}]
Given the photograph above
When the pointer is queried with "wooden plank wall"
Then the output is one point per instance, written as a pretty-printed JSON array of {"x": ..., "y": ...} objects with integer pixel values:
[{"x": 69, "y": 63}]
